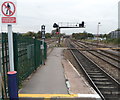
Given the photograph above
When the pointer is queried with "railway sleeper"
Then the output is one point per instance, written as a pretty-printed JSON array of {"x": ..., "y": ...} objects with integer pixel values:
[
  {"x": 100, "y": 79},
  {"x": 92, "y": 70},
  {"x": 107, "y": 88},
  {"x": 111, "y": 95},
  {"x": 116, "y": 93},
  {"x": 93, "y": 73},
  {"x": 97, "y": 76},
  {"x": 104, "y": 83}
]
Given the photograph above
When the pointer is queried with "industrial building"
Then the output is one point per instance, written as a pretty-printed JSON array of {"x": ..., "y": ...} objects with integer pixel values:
[{"x": 115, "y": 34}]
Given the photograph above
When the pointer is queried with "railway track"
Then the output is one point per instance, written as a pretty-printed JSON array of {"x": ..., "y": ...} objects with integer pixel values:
[
  {"x": 97, "y": 45},
  {"x": 111, "y": 59},
  {"x": 105, "y": 85},
  {"x": 111, "y": 53}
]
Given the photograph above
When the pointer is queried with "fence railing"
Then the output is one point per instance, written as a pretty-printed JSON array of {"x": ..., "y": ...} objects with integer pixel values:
[
  {"x": 27, "y": 56},
  {"x": 0, "y": 66}
]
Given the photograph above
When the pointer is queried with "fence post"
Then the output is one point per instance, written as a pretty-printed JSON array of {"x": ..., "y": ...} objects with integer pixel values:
[
  {"x": 15, "y": 48},
  {"x": 35, "y": 53}
]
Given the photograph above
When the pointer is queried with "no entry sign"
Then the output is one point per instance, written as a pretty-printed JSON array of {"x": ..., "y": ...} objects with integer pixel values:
[{"x": 8, "y": 10}]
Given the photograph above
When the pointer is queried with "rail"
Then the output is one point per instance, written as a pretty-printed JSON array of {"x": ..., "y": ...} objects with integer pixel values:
[{"x": 106, "y": 86}]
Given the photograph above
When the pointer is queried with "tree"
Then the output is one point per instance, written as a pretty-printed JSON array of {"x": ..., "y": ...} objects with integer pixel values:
[
  {"x": 39, "y": 34},
  {"x": 31, "y": 34},
  {"x": 90, "y": 35},
  {"x": 84, "y": 35},
  {"x": 47, "y": 35}
]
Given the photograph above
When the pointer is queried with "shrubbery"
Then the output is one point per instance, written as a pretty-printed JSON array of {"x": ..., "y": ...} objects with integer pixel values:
[{"x": 114, "y": 41}]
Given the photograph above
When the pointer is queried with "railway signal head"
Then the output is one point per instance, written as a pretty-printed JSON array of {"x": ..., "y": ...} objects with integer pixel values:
[
  {"x": 82, "y": 24},
  {"x": 55, "y": 25},
  {"x": 57, "y": 31},
  {"x": 43, "y": 27}
]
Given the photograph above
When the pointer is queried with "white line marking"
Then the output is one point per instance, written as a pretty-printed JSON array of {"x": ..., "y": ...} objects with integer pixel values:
[{"x": 89, "y": 96}]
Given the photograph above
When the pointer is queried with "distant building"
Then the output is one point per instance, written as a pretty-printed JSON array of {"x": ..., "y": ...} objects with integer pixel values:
[
  {"x": 119, "y": 15},
  {"x": 115, "y": 34}
]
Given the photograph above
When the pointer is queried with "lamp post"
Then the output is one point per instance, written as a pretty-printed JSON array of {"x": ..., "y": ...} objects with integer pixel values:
[{"x": 98, "y": 26}]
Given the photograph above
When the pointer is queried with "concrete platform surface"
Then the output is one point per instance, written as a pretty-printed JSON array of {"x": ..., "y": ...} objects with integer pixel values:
[{"x": 49, "y": 79}]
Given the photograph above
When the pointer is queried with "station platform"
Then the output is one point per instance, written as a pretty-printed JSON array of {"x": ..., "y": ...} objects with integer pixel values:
[
  {"x": 57, "y": 78},
  {"x": 49, "y": 78}
]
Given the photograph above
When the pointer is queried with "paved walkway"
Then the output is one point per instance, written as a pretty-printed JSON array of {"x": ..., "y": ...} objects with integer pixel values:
[{"x": 49, "y": 79}]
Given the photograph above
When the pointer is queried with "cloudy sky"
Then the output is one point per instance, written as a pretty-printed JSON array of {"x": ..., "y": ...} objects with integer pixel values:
[{"x": 31, "y": 14}]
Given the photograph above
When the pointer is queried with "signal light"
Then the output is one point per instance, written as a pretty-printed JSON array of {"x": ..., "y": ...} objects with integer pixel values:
[
  {"x": 55, "y": 25},
  {"x": 81, "y": 25},
  {"x": 57, "y": 31}
]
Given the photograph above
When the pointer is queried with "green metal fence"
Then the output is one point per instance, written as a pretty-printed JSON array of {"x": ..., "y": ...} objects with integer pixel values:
[
  {"x": 27, "y": 56},
  {"x": 5, "y": 65}
]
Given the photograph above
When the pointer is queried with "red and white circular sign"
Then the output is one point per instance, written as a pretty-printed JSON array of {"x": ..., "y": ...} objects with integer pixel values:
[{"x": 8, "y": 8}]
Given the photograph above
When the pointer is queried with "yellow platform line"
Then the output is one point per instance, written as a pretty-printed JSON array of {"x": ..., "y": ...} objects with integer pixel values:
[{"x": 48, "y": 95}]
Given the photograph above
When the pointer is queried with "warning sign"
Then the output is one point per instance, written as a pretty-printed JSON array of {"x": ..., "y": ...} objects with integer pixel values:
[
  {"x": 8, "y": 19},
  {"x": 8, "y": 10}
]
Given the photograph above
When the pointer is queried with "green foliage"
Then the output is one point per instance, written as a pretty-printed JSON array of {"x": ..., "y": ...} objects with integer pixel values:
[
  {"x": 82, "y": 35},
  {"x": 104, "y": 36},
  {"x": 47, "y": 35},
  {"x": 30, "y": 34},
  {"x": 113, "y": 41},
  {"x": 39, "y": 34}
]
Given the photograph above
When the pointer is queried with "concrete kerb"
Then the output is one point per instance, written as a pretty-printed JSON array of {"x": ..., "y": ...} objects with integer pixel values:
[{"x": 66, "y": 81}]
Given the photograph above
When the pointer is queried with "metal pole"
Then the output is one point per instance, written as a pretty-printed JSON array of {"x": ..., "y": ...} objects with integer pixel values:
[
  {"x": 98, "y": 31},
  {"x": 59, "y": 38},
  {"x": 43, "y": 40},
  {"x": 10, "y": 45}
]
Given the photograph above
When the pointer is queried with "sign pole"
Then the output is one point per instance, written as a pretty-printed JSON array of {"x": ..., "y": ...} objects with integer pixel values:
[
  {"x": 10, "y": 45},
  {"x": 43, "y": 41},
  {"x": 8, "y": 9},
  {"x": 59, "y": 38}
]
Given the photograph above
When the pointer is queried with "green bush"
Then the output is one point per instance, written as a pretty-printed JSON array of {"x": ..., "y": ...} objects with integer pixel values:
[{"x": 114, "y": 41}]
